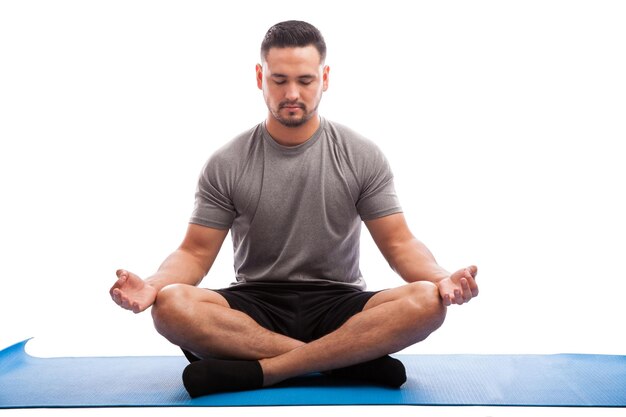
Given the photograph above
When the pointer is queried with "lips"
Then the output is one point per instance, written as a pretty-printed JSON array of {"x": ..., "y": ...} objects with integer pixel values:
[{"x": 292, "y": 106}]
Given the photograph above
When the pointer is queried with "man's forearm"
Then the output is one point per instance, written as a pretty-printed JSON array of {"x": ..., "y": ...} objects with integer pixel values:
[
  {"x": 180, "y": 267},
  {"x": 414, "y": 262}
]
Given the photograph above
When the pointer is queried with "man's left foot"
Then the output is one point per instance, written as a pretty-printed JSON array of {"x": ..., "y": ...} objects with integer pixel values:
[{"x": 382, "y": 371}]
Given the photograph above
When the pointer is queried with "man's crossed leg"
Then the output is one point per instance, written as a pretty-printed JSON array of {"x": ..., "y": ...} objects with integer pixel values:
[{"x": 237, "y": 353}]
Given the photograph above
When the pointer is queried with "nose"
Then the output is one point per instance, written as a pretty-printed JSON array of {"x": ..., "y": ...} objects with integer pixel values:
[{"x": 291, "y": 92}]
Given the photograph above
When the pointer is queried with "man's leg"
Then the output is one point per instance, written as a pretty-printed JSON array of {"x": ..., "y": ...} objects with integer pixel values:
[
  {"x": 390, "y": 321},
  {"x": 202, "y": 322}
]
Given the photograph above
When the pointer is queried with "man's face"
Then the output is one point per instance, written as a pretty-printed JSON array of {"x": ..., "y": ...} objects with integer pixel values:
[{"x": 292, "y": 80}]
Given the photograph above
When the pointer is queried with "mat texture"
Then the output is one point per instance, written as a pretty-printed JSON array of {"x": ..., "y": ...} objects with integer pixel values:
[{"x": 509, "y": 380}]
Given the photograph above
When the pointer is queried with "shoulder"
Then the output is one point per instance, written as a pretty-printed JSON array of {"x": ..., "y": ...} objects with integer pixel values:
[
  {"x": 348, "y": 138},
  {"x": 238, "y": 148},
  {"x": 225, "y": 165},
  {"x": 361, "y": 152}
]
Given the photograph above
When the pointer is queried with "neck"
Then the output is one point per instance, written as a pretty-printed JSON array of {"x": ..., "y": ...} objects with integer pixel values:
[{"x": 291, "y": 136}]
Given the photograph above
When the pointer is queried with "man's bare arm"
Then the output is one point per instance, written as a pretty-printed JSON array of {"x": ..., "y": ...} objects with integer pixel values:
[
  {"x": 412, "y": 260},
  {"x": 192, "y": 260},
  {"x": 186, "y": 265},
  {"x": 406, "y": 255}
]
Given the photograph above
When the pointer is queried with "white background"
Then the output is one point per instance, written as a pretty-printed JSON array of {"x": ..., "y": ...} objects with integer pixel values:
[{"x": 503, "y": 122}]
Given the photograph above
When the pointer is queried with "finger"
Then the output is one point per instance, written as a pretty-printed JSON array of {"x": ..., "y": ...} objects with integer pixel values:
[
  {"x": 473, "y": 270},
  {"x": 120, "y": 281},
  {"x": 116, "y": 286},
  {"x": 122, "y": 277},
  {"x": 116, "y": 295},
  {"x": 471, "y": 280},
  {"x": 126, "y": 304},
  {"x": 458, "y": 297},
  {"x": 122, "y": 301},
  {"x": 446, "y": 300},
  {"x": 467, "y": 292}
]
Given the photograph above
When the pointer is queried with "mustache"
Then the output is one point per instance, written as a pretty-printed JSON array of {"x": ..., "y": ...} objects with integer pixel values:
[{"x": 284, "y": 104}]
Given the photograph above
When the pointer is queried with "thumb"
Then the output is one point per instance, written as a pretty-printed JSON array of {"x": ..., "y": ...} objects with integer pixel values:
[{"x": 473, "y": 270}]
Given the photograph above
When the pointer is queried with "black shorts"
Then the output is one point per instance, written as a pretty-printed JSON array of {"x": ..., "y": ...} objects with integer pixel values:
[{"x": 298, "y": 310}]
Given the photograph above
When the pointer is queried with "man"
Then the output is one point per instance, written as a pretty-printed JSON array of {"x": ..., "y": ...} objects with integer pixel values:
[{"x": 293, "y": 192}]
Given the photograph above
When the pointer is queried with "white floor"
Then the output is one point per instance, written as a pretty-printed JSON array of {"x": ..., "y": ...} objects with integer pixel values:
[{"x": 360, "y": 411}]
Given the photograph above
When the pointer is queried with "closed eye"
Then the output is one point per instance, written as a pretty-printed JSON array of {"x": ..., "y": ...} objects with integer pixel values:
[{"x": 306, "y": 80}]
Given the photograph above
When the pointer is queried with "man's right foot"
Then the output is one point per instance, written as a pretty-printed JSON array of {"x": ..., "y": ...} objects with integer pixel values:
[{"x": 208, "y": 376}]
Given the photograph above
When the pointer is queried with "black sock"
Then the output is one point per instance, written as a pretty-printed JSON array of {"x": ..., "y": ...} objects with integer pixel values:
[
  {"x": 208, "y": 376},
  {"x": 382, "y": 371}
]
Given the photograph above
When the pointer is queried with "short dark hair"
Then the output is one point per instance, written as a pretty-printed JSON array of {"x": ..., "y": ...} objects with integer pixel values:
[{"x": 293, "y": 33}]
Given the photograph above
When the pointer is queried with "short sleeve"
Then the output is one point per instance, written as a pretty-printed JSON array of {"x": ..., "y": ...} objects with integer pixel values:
[
  {"x": 377, "y": 197},
  {"x": 213, "y": 203}
]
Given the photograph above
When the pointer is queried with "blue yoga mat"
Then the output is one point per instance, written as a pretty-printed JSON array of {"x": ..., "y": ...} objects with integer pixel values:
[{"x": 502, "y": 380}]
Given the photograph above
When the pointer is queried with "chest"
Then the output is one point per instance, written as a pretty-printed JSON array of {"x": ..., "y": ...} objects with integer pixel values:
[{"x": 314, "y": 184}]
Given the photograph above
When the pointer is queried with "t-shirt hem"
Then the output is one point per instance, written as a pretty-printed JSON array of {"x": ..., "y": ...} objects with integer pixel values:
[
  {"x": 382, "y": 213},
  {"x": 359, "y": 283},
  {"x": 208, "y": 223}
]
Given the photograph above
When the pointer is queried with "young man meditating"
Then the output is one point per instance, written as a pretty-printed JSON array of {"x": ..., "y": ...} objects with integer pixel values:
[{"x": 293, "y": 192}]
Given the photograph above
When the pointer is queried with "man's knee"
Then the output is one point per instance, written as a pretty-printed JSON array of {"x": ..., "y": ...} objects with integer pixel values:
[
  {"x": 177, "y": 307},
  {"x": 169, "y": 305},
  {"x": 425, "y": 305}
]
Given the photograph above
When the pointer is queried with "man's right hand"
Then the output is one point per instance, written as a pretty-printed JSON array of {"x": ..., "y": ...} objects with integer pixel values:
[{"x": 132, "y": 293}]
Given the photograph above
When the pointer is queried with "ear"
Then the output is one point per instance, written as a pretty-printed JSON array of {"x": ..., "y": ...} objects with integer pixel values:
[
  {"x": 325, "y": 78},
  {"x": 259, "y": 76}
]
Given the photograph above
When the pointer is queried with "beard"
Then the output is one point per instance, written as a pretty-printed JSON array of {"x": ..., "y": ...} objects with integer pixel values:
[{"x": 292, "y": 120}]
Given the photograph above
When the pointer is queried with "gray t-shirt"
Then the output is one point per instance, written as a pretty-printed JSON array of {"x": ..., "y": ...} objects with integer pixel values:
[{"x": 295, "y": 212}]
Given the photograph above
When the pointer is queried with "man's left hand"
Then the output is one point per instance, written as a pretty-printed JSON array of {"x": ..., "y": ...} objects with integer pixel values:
[{"x": 460, "y": 287}]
